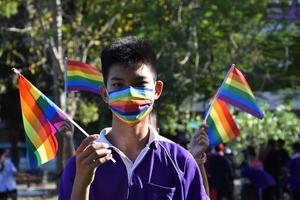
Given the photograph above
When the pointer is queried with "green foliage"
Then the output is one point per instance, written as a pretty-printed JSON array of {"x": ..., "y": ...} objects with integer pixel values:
[
  {"x": 195, "y": 41},
  {"x": 8, "y": 8},
  {"x": 278, "y": 124},
  {"x": 88, "y": 112}
]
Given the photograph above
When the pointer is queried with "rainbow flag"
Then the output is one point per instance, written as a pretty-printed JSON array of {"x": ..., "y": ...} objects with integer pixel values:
[
  {"x": 237, "y": 92},
  {"x": 83, "y": 77},
  {"x": 41, "y": 120},
  {"x": 221, "y": 126}
]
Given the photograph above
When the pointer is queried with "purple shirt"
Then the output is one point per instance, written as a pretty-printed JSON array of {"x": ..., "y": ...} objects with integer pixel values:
[
  {"x": 167, "y": 171},
  {"x": 259, "y": 178}
]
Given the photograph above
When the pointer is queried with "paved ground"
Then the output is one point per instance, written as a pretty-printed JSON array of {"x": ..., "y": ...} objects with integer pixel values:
[{"x": 37, "y": 191}]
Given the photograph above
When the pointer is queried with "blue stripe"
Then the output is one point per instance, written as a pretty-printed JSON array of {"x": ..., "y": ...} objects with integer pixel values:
[
  {"x": 122, "y": 91},
  {"x": 122, "y": 112},
  {"x": 245, "y": 102},
  {"x": 82, "y": 84}
]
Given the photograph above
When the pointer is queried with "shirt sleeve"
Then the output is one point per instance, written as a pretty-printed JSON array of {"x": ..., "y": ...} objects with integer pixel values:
[
  {"x": 11, "y": 167},
  {"x": 193, "y": 181},
  {"x": 67, "y": 180}
]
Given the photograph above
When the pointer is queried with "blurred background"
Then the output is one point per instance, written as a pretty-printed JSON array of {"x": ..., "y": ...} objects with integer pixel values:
[{"x": 196, "y": 42}]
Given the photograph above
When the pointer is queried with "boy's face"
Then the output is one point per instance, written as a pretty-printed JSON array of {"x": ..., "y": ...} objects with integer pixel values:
[{"x": 140, "y": 76}]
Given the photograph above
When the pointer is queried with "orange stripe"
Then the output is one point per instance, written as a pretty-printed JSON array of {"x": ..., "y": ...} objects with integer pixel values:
[
  {"x": 238, "y": 76},
  {"x": 221, "y": 109},
  {"x": 85, "y": 70},
  {"x": 234, "y": 129}
]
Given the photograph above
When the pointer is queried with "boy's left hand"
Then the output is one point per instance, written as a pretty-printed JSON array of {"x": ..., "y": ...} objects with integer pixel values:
[{"x": 199, "y": 142}]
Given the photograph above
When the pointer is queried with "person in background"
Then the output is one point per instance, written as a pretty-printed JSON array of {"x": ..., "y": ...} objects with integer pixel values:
[
  {"x": 8, "y": 170},
  {"x": 283, "y": 157},
  {"x": 219, "y": 175},
  {"x": 293, "y": 166},
  {"x": 253, "y": 160},
  {"x": 262, "y": 182}
]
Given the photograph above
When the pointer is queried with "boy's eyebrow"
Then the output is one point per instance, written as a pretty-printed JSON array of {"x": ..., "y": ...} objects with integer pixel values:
[
  {"x": 139, "y": 78},
  {"x": 116, "y": 79}
]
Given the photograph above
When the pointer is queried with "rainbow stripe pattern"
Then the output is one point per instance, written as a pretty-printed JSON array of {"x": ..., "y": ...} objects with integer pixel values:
[
  {"x": 83, "y": 77},
  {"x": 221, "y": 126},
  {"x": 130, "y": 104},
  {"x": 41, "y": 120},
  {"x": 237, "y": 92}
]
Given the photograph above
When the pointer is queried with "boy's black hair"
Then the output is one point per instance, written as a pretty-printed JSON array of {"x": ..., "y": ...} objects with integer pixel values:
[{"x": 128, "y": 52}]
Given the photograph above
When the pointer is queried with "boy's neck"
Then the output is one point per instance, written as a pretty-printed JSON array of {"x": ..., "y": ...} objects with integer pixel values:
[{"x": 130, "y": 140}]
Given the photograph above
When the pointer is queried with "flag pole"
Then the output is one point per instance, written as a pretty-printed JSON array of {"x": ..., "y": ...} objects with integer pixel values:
[
  {"x": 217, "y": 94},
  {"x": 65, "y": 85}
]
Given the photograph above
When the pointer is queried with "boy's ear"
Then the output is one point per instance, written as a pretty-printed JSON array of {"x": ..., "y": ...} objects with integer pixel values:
[
  {"x": 104, "y": 94},
  {"x": 158, "y": 89}
]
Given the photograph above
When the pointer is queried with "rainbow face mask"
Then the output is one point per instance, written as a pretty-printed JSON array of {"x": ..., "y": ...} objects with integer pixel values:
[{"x": 131, "y": 104}]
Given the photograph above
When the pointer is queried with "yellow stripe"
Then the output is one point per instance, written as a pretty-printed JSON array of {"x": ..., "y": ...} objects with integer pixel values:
[
  {"x": 88, "y": 76},
  {"x": 43, "y": 153},
  {"x": 219, "y": 126},
  {"x": 239, "y": 86},
  {"x": 35, "y": 92}
]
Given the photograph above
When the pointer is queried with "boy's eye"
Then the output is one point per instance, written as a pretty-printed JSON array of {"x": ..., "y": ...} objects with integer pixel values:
[
  {"x": 141, "y": 84},
  {"x": 117, "y": 85}
]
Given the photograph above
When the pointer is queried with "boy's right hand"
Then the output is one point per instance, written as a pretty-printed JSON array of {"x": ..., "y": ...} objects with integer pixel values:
[{"x": 89, "y": 156}]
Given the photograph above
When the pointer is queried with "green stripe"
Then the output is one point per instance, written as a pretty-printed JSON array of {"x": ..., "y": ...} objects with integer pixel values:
[
  {"x": 214, "y": 130},
  {"x": 32, "y": 150},
  {"x": 125, "y": 96},
  {"x": 238, "y": 91},
  {"x": 80, "y": 78}
]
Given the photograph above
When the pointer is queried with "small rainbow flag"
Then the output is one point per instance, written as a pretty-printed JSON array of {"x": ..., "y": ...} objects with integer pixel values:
[
  {"x": 221, "y": 126},
  {"x": 236, "y": 91},
  {"x": 41, "y": 120},
  {"x": 83, "y": 77}
]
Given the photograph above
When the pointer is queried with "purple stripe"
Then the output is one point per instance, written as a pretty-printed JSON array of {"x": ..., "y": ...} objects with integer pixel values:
[
  {"x": 241, "y": 106},
  {"x": 80, "y": 88}
]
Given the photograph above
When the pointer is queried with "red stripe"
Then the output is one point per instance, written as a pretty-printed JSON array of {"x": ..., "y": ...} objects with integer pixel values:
[
  {"x": 238, "y": 76},
  {"x": 84, "y": 70},
  {"x": 82, "y": 65},
  {"x": 234, "y": 129}
]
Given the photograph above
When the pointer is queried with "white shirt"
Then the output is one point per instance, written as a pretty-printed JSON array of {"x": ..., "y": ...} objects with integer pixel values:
[{"x": 130, "y": 166}]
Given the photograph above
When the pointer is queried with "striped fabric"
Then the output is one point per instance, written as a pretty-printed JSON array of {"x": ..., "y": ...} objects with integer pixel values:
[
  {"x": 237, "y": 92},
  {"x": 221, "y": 126},
  {"x": 41, "y": 120},
  {"x": 83, "y": 77},
  {"x": 130, "y": 104}
]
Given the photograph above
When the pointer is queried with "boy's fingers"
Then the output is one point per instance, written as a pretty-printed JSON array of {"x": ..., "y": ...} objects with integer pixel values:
[
  {"x": 100, "y": 161},
  {"x": 92, "y": 148},
  {"x": 203, "y": 127},
  {"x": 96, "y": 155},
  {"x": 85, "y": 143}
]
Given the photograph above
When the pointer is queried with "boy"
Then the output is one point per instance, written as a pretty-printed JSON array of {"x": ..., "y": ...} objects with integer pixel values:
[{"x": 148, "y": 166}]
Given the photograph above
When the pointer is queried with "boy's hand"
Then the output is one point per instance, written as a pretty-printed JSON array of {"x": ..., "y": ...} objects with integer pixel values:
[
  {"x": 89, "y": 156},
  {"x": 199, "y": 142}
]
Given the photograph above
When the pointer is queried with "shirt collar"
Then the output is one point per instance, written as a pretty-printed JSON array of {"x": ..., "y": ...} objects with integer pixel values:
[{"x": 153, "y": 137}]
